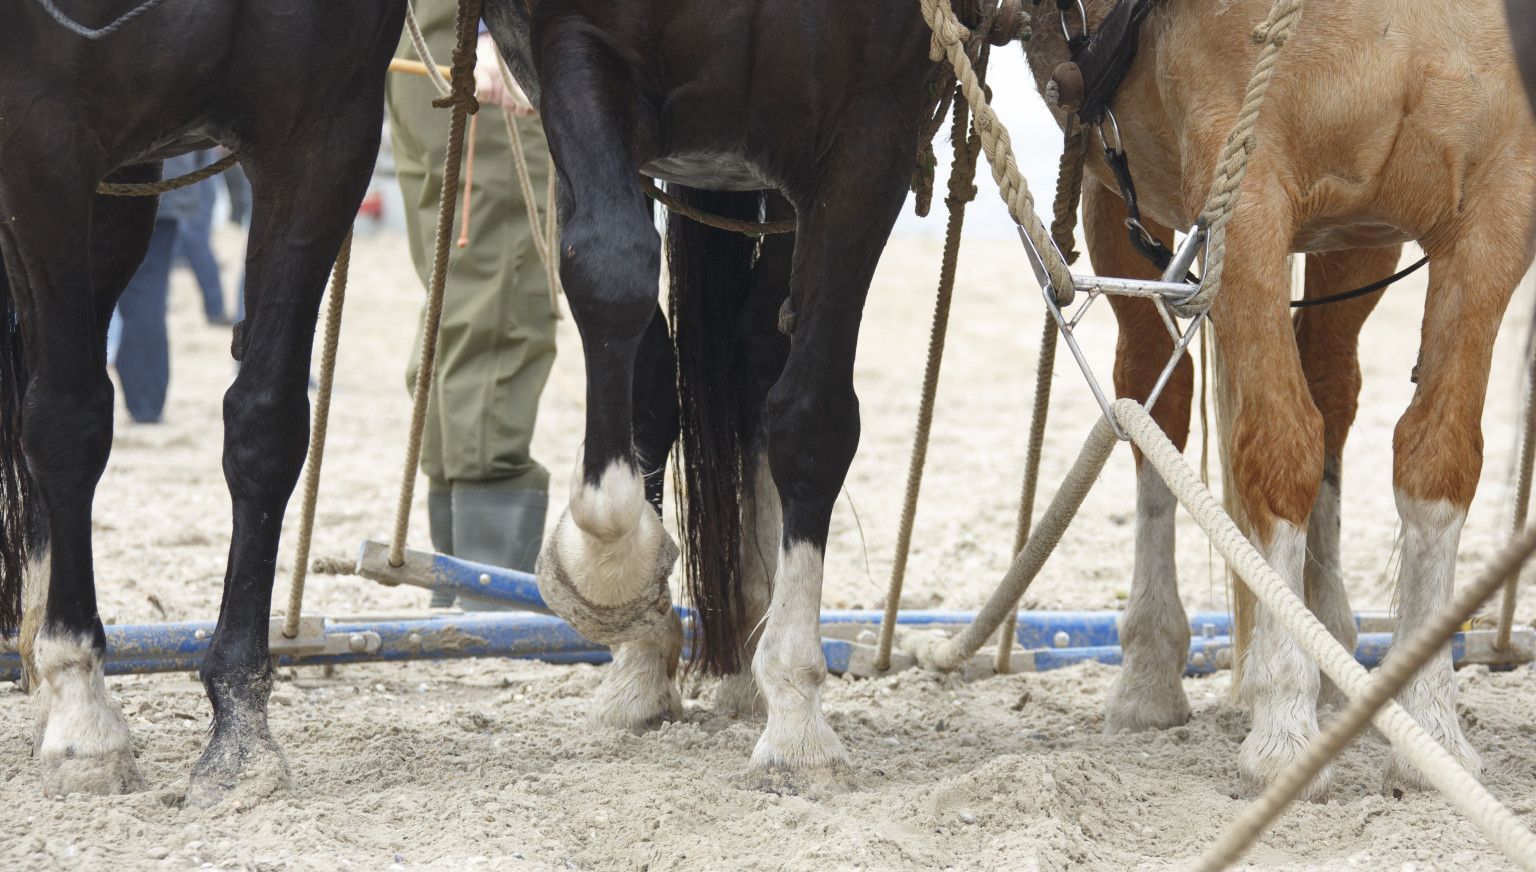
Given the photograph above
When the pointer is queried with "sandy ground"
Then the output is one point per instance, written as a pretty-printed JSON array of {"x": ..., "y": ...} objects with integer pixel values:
[{"x": 489, "y": 764}]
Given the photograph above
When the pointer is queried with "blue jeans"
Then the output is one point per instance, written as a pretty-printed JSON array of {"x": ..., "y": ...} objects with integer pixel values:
[
  {"x": 194, "y": 245},
  {"x": 143, "y": 349}
]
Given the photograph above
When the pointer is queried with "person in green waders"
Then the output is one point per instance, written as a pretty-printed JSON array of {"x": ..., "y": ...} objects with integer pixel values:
[{"x": 487, "y": 496}]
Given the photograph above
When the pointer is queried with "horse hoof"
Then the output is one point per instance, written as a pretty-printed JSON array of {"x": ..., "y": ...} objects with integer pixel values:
[
  {"x": 104, "y": 774},
  {"x": 1267, "y": 755},
  {"x": 1402, "y": 777},
  {"x": 247, "y": 774},
  {"x": 1144, "y": 708},
  {"x": 638, "y": 692},
  {"x": 812, "y": 782}
]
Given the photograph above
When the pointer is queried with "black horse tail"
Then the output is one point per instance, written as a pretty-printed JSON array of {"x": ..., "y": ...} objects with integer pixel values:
[
  {"x": 16, "y": 508},
  {"x": 711, "y": 275}
]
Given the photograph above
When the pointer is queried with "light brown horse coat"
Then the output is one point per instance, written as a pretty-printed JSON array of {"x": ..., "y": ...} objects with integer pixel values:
[{"x": 1388, "y": 121}]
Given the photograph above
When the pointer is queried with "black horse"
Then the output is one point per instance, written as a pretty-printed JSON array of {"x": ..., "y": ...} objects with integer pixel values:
[
  {"x": 295, "y": 88},
  {"x": 759, "y": 109}
]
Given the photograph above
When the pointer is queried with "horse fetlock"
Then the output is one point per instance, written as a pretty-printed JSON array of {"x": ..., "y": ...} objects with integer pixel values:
[
  {"x": 1147, "y": 696},
  {"x": 612, "y": 508},
  {"x": 1431, "y": 699},
  {"x": 83, "y": 743},
  {"x": 797, "y": 735},
  {"x": 612, "y": 591}
]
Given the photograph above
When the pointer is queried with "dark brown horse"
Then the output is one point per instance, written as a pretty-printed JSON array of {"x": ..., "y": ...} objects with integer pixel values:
[
  {"x": 296, "y": 89},
  {"x": 753, "y": 109}
]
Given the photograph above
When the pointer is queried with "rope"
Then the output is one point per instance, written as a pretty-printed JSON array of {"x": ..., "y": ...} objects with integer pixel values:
[
  {"x": 1221, "y": 201},
  {"x": 1522, "y": 505},
  {"x": 1501, "y": 827},
  {"x": 731, "y": 225},
  {"x": 1402, "y": 663},
  {"x": 155, "y": 189},
  {"x": 947, "y": 655},
  {"x": 317, "y": 438},
  {"x": 419, "y": 42},
  {"x": 463, "y": 103},
  {"x": 545, "y": 236},
  {"x": 1044, "y": 371},
  {"x": 100, "y": 32},
  {"x": 962, "y": 190},
  {"x": 1069, "y": 190},
  {"x": 950, "y": 40}
]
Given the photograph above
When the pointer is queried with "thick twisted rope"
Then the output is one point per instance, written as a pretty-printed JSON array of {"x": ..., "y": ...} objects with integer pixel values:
[
  {"x": 463, "y": 103},
  {"x": 1402, "y": 663},
  {"x": 419, "y": 42},
  {"x": 1045, "y": 370},
  {"x": 1522, "y": 503},
  {"x": 1226, "y": 183},
  {"x": 155, "y": 189},
  {"x": 317, "y": 438},
  {"x": 950, "y": 39},
  {"x": 1069, "y": 190},
  {"x": 948, "y": 655},
  {"x": 1460, "y": 787},
  {"x": 962, "y": 190}
]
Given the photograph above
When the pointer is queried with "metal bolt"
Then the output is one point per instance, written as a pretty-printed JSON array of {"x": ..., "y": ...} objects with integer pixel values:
[
  {"x": 413, "y": 639},
  {"x": 357, "y": 643},
  {"x": 485, "y": 579},
  {"x": 1062, "y": 639},
  {"x": 200, "y": 635},
  {"x": 1198, "y": 660}
]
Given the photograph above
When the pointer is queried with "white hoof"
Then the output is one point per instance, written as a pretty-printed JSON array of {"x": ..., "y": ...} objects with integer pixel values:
[
  {"x": 1441, "y": 724},
  {"x": 83, "y": 741},
  {"x": 639, "y": 689},
  {"x": 1269, "y": 752}
]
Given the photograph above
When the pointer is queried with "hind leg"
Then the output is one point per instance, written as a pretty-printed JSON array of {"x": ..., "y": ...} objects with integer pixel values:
[
  {"x": 83, "y": 741},
  {"x": 763, "y": 350},
  {"x": 606, "y": 565},
  {"x": 1328, "y": 339},
  {"x": 1148, "y": 693},
  {"x": 813, "y": 431},
  {"x": 1438, "y": 451}
]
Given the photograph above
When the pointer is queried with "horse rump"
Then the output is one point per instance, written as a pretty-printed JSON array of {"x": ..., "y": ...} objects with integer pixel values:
[{"x": 710, "y": 273}]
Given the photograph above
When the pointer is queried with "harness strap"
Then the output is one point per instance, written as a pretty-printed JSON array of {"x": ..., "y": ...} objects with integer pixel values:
[{"x": 1106, "y": 57}]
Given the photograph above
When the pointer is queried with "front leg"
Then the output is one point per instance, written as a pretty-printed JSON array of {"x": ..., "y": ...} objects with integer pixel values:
[
  {"x": 1148, "y": 693},
  {"x": 294, "y": 242}
]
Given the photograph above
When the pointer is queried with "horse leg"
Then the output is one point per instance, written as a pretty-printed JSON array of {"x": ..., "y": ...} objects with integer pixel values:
[
  {"x": 1274, "y": 449},
  {"x": 605, "y": 567},
  {"x": 1438, "y": 446},
  {"x": 763, "y": 351},
  {"x": 303, "y": 209},
  {"x": 813, "y": 430},
  {"x": 1328, "y": 339},
  {"x": 1148, "y": 693},
  {"x": 83, "y": 742}
]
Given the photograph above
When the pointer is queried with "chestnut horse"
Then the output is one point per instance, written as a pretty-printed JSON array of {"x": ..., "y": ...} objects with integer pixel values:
[{"x": 1388, "y": 121}]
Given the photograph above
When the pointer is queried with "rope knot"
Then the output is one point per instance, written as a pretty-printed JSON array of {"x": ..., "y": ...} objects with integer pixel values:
[{"x": 468, "y": 102}]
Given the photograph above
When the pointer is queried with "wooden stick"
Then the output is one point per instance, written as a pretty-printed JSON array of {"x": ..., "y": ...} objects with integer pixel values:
[{"x": 414, "y": 68}]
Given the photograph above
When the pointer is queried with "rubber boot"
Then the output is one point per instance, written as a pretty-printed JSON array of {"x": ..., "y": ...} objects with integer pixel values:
[
  {"x": 440, "y": 528},
  {"x": 498, "y": 526}
]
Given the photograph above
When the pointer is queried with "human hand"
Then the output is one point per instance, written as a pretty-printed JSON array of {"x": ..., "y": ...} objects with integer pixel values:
[{"x": 494, "y": 88}]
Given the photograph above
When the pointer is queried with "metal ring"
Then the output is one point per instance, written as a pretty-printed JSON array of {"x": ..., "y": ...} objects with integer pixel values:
[
  {"x": 1109, "y": 116},
  {"x": 1082, "y": 18}
]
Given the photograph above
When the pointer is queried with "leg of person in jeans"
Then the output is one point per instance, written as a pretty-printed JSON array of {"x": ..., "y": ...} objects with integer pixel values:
[
  {"x": 194, "y": 244},
  {"x": 143, "y": 352},
  {"x": 487, "y": 497}
]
